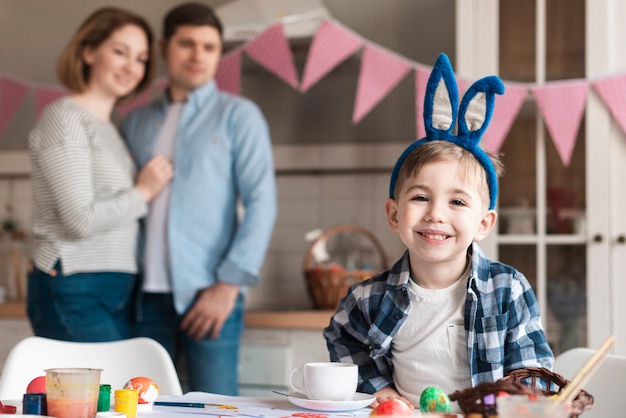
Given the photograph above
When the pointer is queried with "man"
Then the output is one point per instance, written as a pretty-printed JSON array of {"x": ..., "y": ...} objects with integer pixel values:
[{"x": 199, "y": 254}]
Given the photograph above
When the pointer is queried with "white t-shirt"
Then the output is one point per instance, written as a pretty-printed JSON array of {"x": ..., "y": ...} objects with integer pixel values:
[
  {"x": 156, "y": 252},
  {"x": 430, "y": 348}
]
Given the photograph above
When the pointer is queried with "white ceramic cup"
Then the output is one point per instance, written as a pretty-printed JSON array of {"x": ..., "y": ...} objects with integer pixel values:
[{"x": 326, "y": 381}]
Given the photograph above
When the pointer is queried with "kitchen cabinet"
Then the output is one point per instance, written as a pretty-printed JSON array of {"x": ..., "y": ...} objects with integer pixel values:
[
  {"x": 274, "y": 343},
  {"x": 561, "y": 226}
]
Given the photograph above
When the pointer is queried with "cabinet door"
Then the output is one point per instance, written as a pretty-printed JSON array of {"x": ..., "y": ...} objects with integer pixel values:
[
  {"x": 542, "y": 203},
  {"x": 606, "y": 23}
]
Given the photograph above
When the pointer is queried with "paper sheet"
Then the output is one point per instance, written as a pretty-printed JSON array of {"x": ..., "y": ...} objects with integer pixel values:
[{"x": 245, "y": 407}]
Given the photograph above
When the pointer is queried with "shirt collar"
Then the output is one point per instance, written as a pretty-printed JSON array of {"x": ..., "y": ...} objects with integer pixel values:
[{"x": 197, "y": 98}]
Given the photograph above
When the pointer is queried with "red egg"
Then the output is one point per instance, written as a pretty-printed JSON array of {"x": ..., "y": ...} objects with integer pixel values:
[{"x": 37, "y": 385}]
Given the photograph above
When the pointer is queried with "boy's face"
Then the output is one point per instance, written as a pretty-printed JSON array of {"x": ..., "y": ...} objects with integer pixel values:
[{"x": 438, "y": 214}]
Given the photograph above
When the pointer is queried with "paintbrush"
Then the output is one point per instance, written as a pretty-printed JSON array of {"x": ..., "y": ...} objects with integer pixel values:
[{"x": 195, "y": 405}]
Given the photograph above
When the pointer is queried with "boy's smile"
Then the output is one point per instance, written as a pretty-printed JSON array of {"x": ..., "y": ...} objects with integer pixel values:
[{"x": 437, "y": 215}]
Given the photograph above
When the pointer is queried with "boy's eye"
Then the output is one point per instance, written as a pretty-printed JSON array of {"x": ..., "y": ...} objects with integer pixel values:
[
  {"x": 457, "y": 202},
  {"x": 420, "y": 198}
]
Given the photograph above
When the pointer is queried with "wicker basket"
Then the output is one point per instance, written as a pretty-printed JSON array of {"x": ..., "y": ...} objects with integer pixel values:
[
  {"x": 327, "y": 284},
  {"x": 528, "y": 381}
]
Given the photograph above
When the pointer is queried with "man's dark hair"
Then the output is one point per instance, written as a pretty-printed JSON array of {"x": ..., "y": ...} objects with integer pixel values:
[{"x": 195, "y": 14}]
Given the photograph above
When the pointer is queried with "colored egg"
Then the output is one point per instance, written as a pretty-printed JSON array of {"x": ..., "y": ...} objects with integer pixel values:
[
  {"x": 148, "y": 389},
  {"x": 37, "y": 385},
  {"x": 434, "y": 399}
]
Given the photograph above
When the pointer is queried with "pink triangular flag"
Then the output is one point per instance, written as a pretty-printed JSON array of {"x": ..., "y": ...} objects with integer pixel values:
[
  {"x": 142, "y": 99},
  {"x": 46, "y": 95},
  {"x": 12, "y": 93},
  {"x": 505, "y": 110},
  {"x": 228, "y": 76},
  {"x": 421, "y": 80},
  {"x": 271, "y": 49},
  {"x": 380, "y": 72},
  {"x": 330, "y": 47},
  {"x": 612, "y": 91},
  {"x": 562, "y": 105}
]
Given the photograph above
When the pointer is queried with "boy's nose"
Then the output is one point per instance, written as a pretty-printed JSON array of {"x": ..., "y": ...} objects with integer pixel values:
[{"x": 435, "y": 213}]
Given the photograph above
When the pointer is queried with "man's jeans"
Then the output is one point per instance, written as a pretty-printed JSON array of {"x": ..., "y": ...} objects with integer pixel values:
[{"x": 211, "y": 363}]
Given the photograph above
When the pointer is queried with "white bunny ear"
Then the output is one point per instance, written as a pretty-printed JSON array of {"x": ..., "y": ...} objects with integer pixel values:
[
  {"x": 441, "y": 100},
  {"x": 477, "y": 108}
]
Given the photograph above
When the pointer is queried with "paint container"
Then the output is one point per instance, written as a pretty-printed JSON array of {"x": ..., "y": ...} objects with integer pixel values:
[{"x": 34, "y": 404}]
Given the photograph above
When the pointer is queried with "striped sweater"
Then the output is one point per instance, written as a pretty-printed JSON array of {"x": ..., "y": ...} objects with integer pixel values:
[{"x": 86, "y": 208}]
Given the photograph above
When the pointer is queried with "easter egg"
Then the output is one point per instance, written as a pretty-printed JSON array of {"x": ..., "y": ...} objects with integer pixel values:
[
  {"x": 434, "y": 399},
  {"x": 391, "y": 408},
  {"x": 37, "y": 385},
  {"x": 148, "y": 389}
]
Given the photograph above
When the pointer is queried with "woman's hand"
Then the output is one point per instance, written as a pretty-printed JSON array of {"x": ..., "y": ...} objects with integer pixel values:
[{"x": 154, "y": 176}]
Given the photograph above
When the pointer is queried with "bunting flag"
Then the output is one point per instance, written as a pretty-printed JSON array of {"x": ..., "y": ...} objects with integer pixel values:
[
  {"x": 228, "y": 76},
  {"x": 421, "y": 79},
  {"x": 505, "y": 112},
  {"x": 329, "y": 48},
  {"x": 46, "y": 95},
  {"x": 612, "y": 91},
  {"x": 562, "y": 105},
  {"x": 380, "y": 72},
  {"x": 142, "y": 99},
  {"x": 12, "y": 93},
  {"x": 271, "y": 49}
]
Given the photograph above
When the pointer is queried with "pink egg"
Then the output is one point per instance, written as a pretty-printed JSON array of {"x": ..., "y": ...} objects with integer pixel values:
[{"x": 37, "y": 385}]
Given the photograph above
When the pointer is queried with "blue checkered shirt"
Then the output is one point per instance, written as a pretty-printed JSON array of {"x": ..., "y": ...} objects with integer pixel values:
[{"x": 502, "y": 323}]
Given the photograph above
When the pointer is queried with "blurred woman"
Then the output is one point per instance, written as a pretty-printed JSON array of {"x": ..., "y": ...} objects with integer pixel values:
[{"x": 87, "y": 202}]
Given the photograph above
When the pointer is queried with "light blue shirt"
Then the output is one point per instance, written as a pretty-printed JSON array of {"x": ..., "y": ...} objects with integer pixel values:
[{"x": 222, "y": 155}]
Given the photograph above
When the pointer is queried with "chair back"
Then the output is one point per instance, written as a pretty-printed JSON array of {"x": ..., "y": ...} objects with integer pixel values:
[
  {"x": 119, "y": 360},
  {"x": 606, "y": 385}
]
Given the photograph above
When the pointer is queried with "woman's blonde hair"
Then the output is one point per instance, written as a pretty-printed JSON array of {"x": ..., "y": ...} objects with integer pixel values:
[{"x": 74, "y": 73}]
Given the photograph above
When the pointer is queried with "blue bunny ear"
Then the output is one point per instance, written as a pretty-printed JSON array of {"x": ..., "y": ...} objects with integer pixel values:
[
  {"x": 477, "y": 108},
  {"x": 441, "y": 100}
]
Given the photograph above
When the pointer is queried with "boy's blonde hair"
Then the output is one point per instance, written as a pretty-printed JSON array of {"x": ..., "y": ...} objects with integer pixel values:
[{"x": 431, "y": 151}]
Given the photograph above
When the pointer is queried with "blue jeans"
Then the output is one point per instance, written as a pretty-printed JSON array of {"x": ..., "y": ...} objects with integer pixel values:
[
  {"x": 211, "y": 363},
  {"x": 87, "y": 307}
]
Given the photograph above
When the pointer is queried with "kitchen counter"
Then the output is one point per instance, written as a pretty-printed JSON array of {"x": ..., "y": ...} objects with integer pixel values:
[
  {"x": 13, "y": 310},
  {"x": 313, "y": 319}
]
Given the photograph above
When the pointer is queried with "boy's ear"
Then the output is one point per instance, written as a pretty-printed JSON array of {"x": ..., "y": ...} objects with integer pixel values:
[
  {"x": 487, "y": 223},
  {"x": 391, "y": 207}
]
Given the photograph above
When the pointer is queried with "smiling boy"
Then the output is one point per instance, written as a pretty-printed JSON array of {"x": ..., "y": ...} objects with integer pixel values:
[{"x": 444, "y": 315}]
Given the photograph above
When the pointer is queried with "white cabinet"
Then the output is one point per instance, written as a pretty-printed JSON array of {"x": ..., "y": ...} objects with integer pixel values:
[
  {"x": 269, "y": 354},
  {"x": 574, "y": 249},
  {"x": 606, "y": 151}
]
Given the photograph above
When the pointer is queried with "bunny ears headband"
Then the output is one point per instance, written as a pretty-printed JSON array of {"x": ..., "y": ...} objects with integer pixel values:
[{"x": 440, "y": 113}]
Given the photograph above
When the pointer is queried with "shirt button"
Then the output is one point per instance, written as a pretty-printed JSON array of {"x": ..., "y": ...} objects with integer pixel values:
[{"x": 398, "y": 316}]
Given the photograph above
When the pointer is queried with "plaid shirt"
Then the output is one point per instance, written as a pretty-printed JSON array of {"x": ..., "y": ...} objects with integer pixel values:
[{"x": 502, "y": 323}]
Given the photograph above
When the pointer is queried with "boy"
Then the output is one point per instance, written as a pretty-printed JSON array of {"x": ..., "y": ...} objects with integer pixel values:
[{"x": 444, "y": 315}]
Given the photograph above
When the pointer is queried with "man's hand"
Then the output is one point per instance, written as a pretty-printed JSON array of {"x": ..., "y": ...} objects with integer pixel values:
[
  {"x": 389, "y": 393},
  {"x": 210, "y": 310}
]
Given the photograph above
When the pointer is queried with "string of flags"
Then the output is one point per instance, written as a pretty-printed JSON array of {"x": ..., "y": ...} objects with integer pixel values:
[{"x": 560, "y": 103}]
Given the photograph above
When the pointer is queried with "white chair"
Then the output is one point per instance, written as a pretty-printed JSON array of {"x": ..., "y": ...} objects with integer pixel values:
[
  {"x": 119, "y": 360},
  {"x": 606, "y": 385}
]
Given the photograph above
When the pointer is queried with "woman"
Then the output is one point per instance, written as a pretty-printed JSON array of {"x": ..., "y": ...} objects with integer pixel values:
[{"x": 86, "y": 205}]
